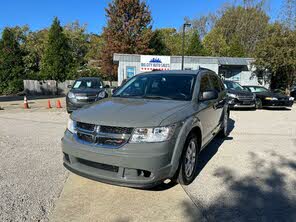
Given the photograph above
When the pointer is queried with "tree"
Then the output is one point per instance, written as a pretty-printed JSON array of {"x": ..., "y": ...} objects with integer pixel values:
[
  {"x": 215, "y": 44},
  {"x": 288, "y": 16},
  {"x": 78, "y": 43},
  {"x": 95, "y": 45},
  {"x": 128, "y": 30},
  {"x": 57, "y": 61},
  {"x": 157, "y": 43},
  {"x": 277, "y": 54},
  {"x": 34, "y": 47},
  {"x": 11, "y": 62},
  {"x": 195, "y": 47}
]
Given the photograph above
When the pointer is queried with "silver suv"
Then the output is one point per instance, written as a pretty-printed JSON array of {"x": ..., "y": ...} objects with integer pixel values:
[{"x": 152, "y": 129}]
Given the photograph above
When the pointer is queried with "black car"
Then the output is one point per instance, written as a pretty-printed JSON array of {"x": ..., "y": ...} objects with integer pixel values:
[
  {"x": 84, "y": 91},
  {"x": 268, "y": 99},
  {"x": 293, "y": 92},
  {"x": 238, "y": 97}
]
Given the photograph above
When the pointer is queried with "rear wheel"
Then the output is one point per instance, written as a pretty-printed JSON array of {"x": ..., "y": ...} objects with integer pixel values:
[{"x": 189, "y": 160}]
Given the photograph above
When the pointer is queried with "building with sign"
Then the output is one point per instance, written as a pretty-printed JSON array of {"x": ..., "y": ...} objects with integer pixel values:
[{"x": 240, "y": 70}]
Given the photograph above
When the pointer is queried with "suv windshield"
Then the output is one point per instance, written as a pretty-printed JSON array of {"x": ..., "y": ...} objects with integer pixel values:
[
  {"x": 255, "y": 89},
  {"x": 87, "y": 84},
  {"x": 158, "y": 86},
  {"x": 233, "y": 85}
]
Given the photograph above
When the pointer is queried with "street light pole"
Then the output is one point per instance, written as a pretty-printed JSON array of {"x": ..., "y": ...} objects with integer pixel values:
[{"x": 183, "y": 42}]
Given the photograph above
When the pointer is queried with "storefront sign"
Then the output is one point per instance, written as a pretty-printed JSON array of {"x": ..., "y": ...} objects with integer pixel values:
[{"x": 150, "y": 63}]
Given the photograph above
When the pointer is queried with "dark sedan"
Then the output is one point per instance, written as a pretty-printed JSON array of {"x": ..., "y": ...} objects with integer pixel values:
[
  {"x": 84, "y": 91},
  {"x": 268, "y": 99},
  {"x": 238, "y": 97}
]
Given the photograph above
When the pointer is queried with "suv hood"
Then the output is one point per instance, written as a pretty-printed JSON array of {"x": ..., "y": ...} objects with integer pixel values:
[
  {"x": 126, "y": 112},
  {"x": 240, "y": 92},
  {"x": 272, "y": 94}
]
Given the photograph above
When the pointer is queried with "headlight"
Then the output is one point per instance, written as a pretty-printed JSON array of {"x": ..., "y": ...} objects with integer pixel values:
[
  {"x": 102, "y": 94},
  {"x": 152, "y": 135},
  {"x": 231, "y": 95},
  {"x": 71, "y": 95},
  {"x": 291, "y": 98},
  {"x": 71, "y": 126},
  {"x": 254, "y": 96},
  {"x": 270, "y": 98}
]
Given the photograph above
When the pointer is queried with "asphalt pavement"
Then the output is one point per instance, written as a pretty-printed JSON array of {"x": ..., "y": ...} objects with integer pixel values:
[{"x": 250, "y": 176}]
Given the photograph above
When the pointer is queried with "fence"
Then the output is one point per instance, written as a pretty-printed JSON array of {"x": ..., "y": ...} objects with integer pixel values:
[{"x": 49, "y": 87}]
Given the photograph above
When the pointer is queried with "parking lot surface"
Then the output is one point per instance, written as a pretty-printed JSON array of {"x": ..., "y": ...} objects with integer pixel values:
[{"x": 250, "y": 176}]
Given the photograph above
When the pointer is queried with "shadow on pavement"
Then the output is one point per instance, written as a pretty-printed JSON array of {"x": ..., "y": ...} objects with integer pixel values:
[{"x": 265, "y": 194}]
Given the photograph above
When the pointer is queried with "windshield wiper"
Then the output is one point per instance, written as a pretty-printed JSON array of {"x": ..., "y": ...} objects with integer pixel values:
[{"x": 156, "y": 97}]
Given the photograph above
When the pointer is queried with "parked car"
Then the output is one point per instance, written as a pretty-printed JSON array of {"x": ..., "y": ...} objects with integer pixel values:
[
  {"x": 153, "y": 128},
  {"x": 238, "y": 96},
  {"x": 84, "y": 91},
  {"x": 293, "y": 92},
  {"x": 268, "y": 99}
]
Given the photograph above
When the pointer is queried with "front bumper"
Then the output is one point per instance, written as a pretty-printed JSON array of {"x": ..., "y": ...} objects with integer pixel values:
[
  {"x": 134, "y": 165},
  {"x": 277, "y": 103},
  {"x": 235, "y": 103},
  {"x": 72, "y": 105}
]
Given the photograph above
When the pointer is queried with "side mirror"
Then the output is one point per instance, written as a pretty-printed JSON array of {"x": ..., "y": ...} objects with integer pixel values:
[
  {"x": 209, "y": 95},
  {"x": 69, "y": 86},
  {"x": 107, "y": 87}
]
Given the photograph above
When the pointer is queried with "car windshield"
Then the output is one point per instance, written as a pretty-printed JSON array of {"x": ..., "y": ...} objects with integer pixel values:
[
  {"x": 158, "y": 86},
  {"x": 87, "y": 84},
  {"x": 233, "y": 85},
  {"x": 256, "y": 89}
]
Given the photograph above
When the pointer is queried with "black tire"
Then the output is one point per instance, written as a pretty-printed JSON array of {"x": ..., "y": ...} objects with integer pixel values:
[
  {"x": 258, "y": 104},
  {"x": 224, "y": 132},
  {"x": 183, "y": 177}
]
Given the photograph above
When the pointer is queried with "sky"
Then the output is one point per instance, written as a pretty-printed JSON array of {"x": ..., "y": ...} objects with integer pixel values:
[{"x": 38, "y": 14}]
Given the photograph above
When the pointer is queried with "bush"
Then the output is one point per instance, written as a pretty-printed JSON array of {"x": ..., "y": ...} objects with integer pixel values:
[{"x": 12, "y": 87}]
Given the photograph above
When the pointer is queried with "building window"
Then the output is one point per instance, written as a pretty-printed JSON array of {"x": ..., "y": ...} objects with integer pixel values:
[{"x": 130, "y": 71}]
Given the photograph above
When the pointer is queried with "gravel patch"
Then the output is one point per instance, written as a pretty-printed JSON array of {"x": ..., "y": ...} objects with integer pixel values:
[{"x": 31, "y": 170}]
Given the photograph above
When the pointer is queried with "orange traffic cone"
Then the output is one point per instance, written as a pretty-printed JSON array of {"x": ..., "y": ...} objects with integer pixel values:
[
  {"x": 48, "y": 104},
  {"x": 26, "y": 104},
  {"x": 59, "y": 104}
]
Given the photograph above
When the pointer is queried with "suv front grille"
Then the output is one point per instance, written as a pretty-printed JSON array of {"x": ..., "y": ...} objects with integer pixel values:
[
  {"x": 244, "y": 98},
  {"x": 118, "y": 130},
  {"x": 86, "y": 126},
  {"x": 108, "y": 136}
]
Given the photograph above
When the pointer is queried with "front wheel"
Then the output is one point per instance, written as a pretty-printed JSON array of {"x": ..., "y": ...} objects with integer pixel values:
[
  {"x": 258, "y": 104},
  {"x": 189, "y": 160},
  {"x": 224, "y": 126}
]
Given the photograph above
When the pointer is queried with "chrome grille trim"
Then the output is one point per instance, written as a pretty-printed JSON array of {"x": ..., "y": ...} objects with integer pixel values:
[{"x": 115, "y": 140}]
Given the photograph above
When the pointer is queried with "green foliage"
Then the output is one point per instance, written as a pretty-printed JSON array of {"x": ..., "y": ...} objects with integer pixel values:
[
  {"x": 11, "y": 62},
  {"x": 34, "y": 47},
  {"x": 173, "y": 40},
  {"x": 157, "y": 43},
  {"x": 195, "y": 47},
  {"x": 95, "y": 45},
  {"x": 57, "y": 62},
  {"x": 237, "y": 31},
  {"x": 277, "y": 54},
  {"x": 128, "y": 30},
  {"x": 78, "y": 42}
]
